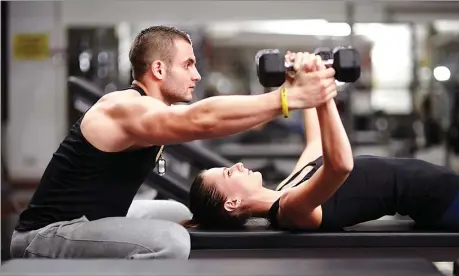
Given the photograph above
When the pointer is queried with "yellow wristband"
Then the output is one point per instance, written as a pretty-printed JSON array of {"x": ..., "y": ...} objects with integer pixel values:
[{"x": 284, "y": 102}]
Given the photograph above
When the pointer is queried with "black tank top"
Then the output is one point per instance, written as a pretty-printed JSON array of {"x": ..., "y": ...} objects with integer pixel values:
[
  {"x": 380, "y": 186},
  {"x": 81, "y": 180}
]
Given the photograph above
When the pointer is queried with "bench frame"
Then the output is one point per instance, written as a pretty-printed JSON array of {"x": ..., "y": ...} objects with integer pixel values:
[{"x": 433, "y": 254}]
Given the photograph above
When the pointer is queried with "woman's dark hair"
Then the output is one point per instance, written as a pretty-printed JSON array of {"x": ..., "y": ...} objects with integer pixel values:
[{"x": 206, "y": 204}]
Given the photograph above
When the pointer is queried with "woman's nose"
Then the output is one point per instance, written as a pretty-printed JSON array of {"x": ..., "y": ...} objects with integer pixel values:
[{"x": 240, "y": 167}]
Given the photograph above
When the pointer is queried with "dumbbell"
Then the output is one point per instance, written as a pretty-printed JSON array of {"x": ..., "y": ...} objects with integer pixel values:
[{"x": 272, "y": 67}]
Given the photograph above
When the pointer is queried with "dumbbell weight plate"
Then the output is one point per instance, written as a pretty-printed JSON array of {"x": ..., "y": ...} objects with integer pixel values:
[
  {"x": 346, "y": 62},
  {"x": 271, "y": 63}
]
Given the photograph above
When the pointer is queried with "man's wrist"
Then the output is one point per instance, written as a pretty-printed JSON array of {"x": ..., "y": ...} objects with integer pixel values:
[
  {"x": 284, "y": 102},
  {"x": 291, "y": 97}
]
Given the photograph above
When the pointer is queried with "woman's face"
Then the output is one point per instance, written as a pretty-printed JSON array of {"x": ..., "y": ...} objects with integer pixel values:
[{"x": 235, "y": 181}]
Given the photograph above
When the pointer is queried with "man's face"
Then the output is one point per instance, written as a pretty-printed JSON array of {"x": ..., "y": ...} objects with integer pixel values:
[{"x": 182, "y": 75}]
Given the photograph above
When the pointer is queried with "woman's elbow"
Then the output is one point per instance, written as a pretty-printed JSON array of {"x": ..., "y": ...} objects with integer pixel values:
[
  {"x": 348, "y": 165},
  {"x": 343, "y": 166}
]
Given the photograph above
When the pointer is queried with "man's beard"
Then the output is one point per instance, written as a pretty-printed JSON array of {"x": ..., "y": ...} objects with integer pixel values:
[{"x": 173, "y": 95}]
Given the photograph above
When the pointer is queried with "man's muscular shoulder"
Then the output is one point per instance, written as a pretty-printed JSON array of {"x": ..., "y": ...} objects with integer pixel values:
[{"x": 101, "y": 130}]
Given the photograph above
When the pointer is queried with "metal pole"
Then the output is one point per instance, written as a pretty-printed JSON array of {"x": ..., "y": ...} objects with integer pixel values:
[
  {"x": 414, "y": 85},
  {"x": 348, "y": 114}
]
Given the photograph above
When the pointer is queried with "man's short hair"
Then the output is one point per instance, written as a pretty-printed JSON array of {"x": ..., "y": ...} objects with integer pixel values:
[{"x": 156, "y": 42}]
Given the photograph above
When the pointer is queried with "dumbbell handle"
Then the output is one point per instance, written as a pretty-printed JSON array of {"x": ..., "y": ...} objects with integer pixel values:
[{"x": 289, "y": 66}]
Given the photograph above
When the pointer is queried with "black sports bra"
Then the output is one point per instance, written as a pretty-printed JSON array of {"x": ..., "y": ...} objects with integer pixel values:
[{"x": 273, "y": 211}]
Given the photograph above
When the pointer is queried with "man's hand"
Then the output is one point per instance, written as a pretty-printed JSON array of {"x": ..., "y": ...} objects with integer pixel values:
[{"x": 311, "y": 84}]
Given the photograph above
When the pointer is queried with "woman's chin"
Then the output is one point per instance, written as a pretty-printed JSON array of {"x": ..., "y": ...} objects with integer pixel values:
[{"x": 258, "y": 176}]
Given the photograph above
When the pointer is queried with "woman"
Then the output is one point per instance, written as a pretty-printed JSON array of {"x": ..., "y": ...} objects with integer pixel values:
[{"x": 329, "y": 188}]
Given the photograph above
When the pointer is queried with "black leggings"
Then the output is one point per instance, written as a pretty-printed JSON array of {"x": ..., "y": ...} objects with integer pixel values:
[{"x": 451, "y": 216}]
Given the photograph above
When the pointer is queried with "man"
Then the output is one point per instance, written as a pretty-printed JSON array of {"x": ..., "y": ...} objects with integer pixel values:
[{"x": 82, "y": 207}]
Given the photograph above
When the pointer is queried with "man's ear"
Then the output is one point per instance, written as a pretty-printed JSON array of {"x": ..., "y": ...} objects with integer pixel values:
[
  {"x": 232, "y": 204},
  {"x": 158, "y": 69}
]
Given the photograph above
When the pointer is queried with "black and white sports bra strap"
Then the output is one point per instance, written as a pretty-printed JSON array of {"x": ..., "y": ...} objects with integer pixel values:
[
  {"x": 293, "y": 176},
  {"x": 272, "y": 214},
  {"x": 138, "y": 89}
]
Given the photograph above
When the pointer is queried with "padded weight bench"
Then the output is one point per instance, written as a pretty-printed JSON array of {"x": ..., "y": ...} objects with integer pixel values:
[
  {"x": 379, "y": 238},
  {"x": 220, "y": 267},
  {"x": 456, "y": 267}
]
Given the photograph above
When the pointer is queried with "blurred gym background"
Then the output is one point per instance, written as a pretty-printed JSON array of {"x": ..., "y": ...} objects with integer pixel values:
[{"x": 405, "y": 103}]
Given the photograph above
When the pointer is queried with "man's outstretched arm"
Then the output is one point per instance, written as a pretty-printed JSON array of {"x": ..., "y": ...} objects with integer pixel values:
[{"x": 151, "y": 121}]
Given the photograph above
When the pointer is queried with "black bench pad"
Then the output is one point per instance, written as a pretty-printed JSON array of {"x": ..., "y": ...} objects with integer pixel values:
[{"x": 378, "y": 233}]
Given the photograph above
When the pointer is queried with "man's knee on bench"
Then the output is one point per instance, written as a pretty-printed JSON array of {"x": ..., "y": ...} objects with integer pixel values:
[
  {"x": 173, "y": 243},
  {"x": 159, "y": 209}
]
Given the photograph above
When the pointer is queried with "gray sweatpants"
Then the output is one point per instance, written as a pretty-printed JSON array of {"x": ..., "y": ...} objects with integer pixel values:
[{"x": 149, "y": 231}]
